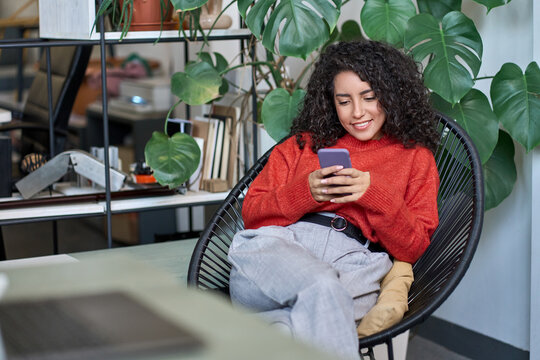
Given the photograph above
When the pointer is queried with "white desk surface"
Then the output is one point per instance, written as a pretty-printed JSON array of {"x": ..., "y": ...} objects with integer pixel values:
[
  {"x": 171, "y": 256},
  {"x": 99, "y": 208},
  {"x": 227, "y": 332}
]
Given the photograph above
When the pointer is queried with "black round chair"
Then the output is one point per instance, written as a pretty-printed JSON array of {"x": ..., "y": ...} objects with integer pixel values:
[{"x": 436, "y": 273}]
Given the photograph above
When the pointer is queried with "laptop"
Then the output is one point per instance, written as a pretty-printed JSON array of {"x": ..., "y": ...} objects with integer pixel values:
[{"x": 112, "y": 325}]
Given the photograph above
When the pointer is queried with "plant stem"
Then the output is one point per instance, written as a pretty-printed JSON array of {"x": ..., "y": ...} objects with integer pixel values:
[
  {"x": 168, "y": 114},
  {"x": 244, "y": 65},
  {"x": 484, "y": 78}
]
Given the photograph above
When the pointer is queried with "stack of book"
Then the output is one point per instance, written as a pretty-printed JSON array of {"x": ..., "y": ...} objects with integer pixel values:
[{"x": 219, "y": 135}]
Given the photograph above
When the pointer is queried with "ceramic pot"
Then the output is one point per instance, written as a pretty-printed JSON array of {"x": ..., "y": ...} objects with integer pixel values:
[
  {"x": 209, "y": 13},
  {"x": 147, "y": 16}
]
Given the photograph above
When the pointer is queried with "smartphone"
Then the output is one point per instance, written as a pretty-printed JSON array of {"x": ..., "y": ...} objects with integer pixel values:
[{"x": 330, "y": 157}]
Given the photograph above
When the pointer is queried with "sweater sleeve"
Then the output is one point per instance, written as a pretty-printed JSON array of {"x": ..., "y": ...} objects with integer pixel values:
[
  {"x": 280, "y": 194},
  {"x": 404, "y": 224}
]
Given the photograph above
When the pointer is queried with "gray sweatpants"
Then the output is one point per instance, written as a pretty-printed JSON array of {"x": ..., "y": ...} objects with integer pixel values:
[{"x": 310, "y": 278}]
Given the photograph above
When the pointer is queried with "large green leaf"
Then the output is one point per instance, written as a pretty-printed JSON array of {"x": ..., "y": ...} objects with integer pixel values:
[
  {"x": 438, "y": 8},
  {"x": 516, "y": 101},
  {"x": 173, "y": 159},
  {"x": 198, "y": 85},
  {"x": 474, "y": 114},
  {"x": 303, "y": 25},
  {"x": 278, "y": 111},
  {"x": 490, "y": 4},
  {"x": 186, "y": 5},
  {"x": 450, "y": 43},
  {"x": 386, "y": 20},
  {"x": 350, "y": 31},
  {"x": 500, "y": 172},
  {"x": 220, "y": 65}
]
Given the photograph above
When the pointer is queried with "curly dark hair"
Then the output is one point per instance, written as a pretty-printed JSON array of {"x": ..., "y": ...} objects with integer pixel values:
[{"x": 396, "y": 82}]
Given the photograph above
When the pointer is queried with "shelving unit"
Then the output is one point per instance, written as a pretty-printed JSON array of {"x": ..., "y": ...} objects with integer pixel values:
[
  {"x": 108, "y": 206},
  {"x": 30, "y": 214}
]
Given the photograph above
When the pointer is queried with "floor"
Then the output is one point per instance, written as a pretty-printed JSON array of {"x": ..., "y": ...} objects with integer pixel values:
[{"x": 75, "y": 235}]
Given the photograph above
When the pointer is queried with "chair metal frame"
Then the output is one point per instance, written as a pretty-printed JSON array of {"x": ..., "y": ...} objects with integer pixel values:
[
  {"x": 437, "y": 272},
  {"x": 35, "y": 124}
]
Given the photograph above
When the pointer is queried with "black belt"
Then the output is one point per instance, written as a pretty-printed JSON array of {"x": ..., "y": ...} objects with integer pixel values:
[{"x": 340, "y": 224}]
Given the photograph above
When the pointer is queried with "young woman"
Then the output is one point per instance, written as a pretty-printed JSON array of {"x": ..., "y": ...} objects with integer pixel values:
[{"x": 316, "y": 246}]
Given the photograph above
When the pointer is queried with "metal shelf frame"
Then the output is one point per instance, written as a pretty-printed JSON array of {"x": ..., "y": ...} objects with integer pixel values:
[{"x": 102, "y": 42}]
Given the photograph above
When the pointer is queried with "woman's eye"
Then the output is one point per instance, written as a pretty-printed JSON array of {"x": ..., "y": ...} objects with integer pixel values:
[
  {"x": 343, "y": 102},
  {"x": 371, "y": 98}
]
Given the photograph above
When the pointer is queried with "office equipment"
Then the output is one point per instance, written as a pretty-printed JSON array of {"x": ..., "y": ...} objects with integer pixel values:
[
  {"x": 226, "y": 332},
  {"x": 144, "y": 95},
  {"x": 106, "y": 325},
  {"x": 81, "y": 162},
  {"x": 5, "y": 116},
  {"x": 123, "y": 124},
  {"x": 436, "y": 273}
]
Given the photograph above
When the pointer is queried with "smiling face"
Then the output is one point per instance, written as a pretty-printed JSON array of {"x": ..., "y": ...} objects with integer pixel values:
[{"x": 358, "y": 110}]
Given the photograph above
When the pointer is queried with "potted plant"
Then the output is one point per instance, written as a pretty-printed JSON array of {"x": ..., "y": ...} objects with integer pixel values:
[
  {"x": 138, "y": 15},
  {"x": 438, "y": 34}
]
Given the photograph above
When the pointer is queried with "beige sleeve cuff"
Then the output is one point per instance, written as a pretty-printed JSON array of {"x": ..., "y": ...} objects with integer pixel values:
[{"x": 392, "y": 302}]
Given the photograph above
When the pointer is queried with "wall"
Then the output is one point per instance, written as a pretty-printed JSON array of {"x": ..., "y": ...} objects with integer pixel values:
[
  {"x": 494, "y": 297},
  {"x": 535, "y": 215},
  {"x": 8, "y": 8}
]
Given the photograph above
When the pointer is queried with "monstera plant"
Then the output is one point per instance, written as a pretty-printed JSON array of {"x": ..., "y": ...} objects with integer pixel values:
[{"x": 436, "y": 33}]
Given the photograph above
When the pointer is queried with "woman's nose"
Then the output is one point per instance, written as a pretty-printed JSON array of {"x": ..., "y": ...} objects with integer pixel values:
[{"x": 358, "y": 111}]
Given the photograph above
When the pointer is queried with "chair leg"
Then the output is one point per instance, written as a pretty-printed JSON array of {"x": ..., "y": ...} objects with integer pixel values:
[
  {"x": 390, "y": 349},
  {"x": 367, "y": 353}
]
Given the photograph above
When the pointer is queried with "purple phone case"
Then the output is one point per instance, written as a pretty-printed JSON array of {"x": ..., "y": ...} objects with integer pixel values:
[{"x": 330, "y": 157}]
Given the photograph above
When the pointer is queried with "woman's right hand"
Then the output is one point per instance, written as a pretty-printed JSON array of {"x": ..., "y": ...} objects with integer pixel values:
[{"x": 318, "y": 187}]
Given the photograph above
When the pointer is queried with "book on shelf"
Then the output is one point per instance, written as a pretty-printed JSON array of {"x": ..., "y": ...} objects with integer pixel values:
[
  {"x": 221, "y": 132},
  {"x": 218, "y": 151},
  {"x": 211, "y": 180},
  {"x": 210, "y": 148},
  {"x": 201, "y": 129},
  {"x": 231, "y": 116},
  {"x": 194, "y": 182},
  {"x": 225, "y": 144},
  {"x": 241, "y": 153},
  {"x": 212, "y": 151}
]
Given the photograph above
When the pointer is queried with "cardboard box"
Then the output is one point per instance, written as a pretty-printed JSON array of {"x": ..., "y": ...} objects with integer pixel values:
[
  {"x": 125, "y": 228},
  {"x": 67, "y": 19},
  {"x": 155, "y": 91}
]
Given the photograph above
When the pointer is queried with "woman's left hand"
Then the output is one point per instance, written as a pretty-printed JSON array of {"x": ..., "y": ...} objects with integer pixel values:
[{"x": 346, "y": 185}]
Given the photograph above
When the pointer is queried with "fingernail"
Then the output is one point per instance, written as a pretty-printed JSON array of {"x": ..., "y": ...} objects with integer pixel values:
[
  {"x": 323, "y": 181},
  {"x": 325, "y": 191}
]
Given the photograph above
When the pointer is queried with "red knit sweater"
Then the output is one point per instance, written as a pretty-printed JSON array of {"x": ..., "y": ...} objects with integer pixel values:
[{"x": 398, "y": 211}]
